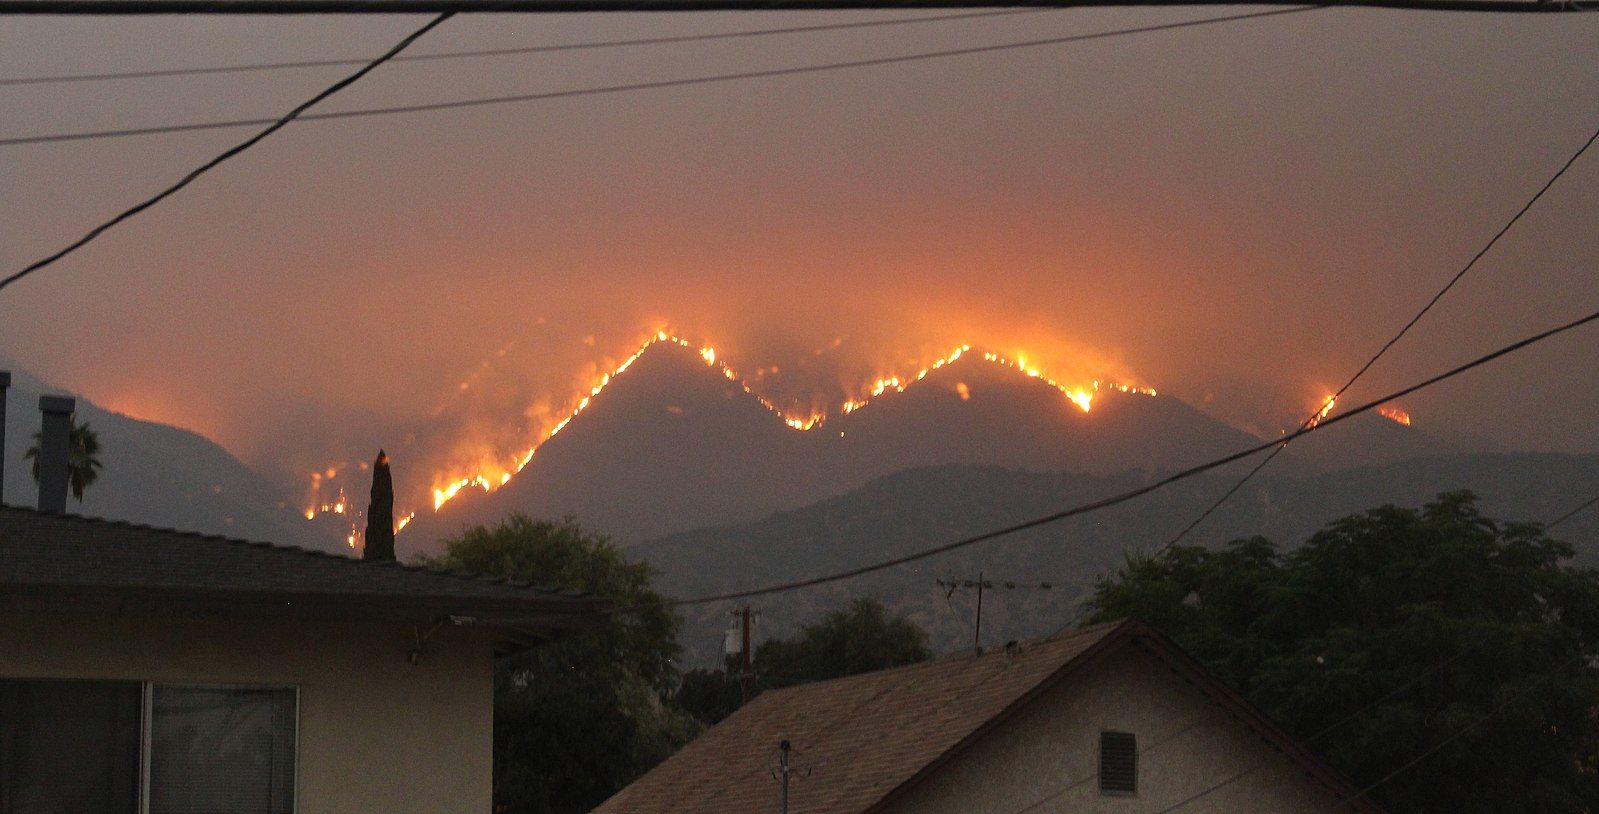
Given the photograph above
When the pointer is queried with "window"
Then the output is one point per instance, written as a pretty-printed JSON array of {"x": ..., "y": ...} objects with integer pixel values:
[
  {"x": 123, "y": 747},
  {"x": 68, "y": 746},
  {"x": 1118, "y": 763}
]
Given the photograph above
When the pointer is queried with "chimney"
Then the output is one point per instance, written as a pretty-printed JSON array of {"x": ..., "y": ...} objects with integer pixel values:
[
  {"x": 55, "y": 441},
  {"x": 5, "y": 384}
]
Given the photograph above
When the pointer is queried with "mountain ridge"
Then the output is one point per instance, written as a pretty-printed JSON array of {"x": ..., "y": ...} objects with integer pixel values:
[
  {"x": 673, "y": 444},
  {"x": 921, "y": 508}
]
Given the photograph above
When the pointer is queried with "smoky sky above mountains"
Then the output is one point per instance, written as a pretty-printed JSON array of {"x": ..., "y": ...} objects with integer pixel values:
[{"x": 1238, "y": 215}]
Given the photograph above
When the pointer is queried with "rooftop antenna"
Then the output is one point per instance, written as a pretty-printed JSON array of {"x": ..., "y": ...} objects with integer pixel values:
[{"x": 785, "y": 769}]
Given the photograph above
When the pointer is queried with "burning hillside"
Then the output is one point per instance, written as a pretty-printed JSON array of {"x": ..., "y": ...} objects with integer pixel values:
[{"x": 479, "y": 467}]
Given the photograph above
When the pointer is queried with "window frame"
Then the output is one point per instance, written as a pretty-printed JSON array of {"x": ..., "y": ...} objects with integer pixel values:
[{"x": 147, "y": 723}]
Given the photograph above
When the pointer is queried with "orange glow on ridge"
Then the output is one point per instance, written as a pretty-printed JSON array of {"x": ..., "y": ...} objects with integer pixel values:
[{"x": 489, "y": 476}]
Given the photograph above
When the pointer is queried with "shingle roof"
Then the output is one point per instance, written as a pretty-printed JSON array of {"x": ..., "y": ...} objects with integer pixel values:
[
  {"x": 70, "y": 562},
  {"x": 878, "y": 732}
]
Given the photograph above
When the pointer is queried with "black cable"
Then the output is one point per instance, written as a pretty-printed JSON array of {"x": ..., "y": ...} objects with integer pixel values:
[
  {"x": 1197, "y": 722},
  {"x": 1460, "y": 733},
  {"x": 1142, "y": 490},
  {"x": 498, "y": 52},
  {"x": 276, "y": 7},
  {"x": 1239, "y": 776},
  {"x": 1329, "y": 729},
  {"x": 231, "y": 152},
  {"x": 1314, "y": 417},
  {"x": 1568, "y": 515},
  {"x": 637, "y": 86}
]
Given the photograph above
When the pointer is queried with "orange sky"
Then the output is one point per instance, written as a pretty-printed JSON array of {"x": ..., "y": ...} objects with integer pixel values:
[{"x": 1237, "y": 215}]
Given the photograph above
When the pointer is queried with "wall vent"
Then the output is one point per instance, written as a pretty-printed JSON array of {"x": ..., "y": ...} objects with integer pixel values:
[{"x": 1118, "y": 763}]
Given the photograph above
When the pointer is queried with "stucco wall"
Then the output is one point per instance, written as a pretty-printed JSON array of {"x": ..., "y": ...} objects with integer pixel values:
[
  {"x": 1047, "y": 755},
  {"x": 376, "y": 733}
]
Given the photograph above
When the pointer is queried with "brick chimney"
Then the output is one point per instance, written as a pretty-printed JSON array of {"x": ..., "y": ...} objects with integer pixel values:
[{"x": 55, "y": 442}]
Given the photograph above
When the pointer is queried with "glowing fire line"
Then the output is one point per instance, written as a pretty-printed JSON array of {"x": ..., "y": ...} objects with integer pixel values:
[{"x": 1082, "y": 397}]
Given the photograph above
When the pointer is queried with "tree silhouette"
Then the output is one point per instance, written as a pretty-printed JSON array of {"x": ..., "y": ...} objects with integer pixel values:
[
  {"x": 1400, "y": 632},
  {"x": 379, "y": 543},
  {"x": 83, "y": 458}
]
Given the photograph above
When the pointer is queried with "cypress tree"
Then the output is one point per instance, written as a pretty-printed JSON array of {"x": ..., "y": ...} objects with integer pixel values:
[{"x": 380, "y": 514}]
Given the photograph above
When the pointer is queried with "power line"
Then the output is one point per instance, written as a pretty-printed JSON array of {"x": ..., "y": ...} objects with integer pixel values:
[
  {"x": 277, "y": 7},
  {"x": 1199, "y": 721},
  {"x": 1317, "y": 416},
  {"x": 498, "y": 52},
  {"x": 1193, "y": 724},
  {"x": 231, "y": 152},
  {"x": 1458, "y": 656},
  {"x": 1390, "y": 695},
  {"x": 1460, "y": 733},
  {"x": 1142, "y": 490},
  {"x": 1568, "y": 515},
  {"x": 639, "y": 86}
]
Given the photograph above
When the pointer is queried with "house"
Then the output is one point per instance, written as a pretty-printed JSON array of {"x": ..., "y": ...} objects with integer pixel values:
[
  {"x": 1111, "y": 718},
  {"x": 145, "y": 671}
]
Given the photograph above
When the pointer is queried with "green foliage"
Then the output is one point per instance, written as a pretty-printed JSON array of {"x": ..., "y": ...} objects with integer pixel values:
[
  {"x": 858, "y": 639},
  {"x": 578, "y": 719},
  {"x": 1433, "y": 618},
  {"x": 83, "y": 458}
]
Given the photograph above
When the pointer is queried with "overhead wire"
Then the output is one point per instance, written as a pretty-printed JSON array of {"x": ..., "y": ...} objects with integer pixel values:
[
  {"x": 1384, "y": 699},
  {"x": 1573, "y": 513},
  {"x": 1131, "y": 494},
  {"x": 660, "y": 84},
  {"x": 1463, "y": 731},
  {"x": 1403, "y": 330},
  {"x": 255, "y": 67},
  {"x": 305, "y": 7},
  {"x": 1323, "y": 732},
  {"x": 193, "y": 175}
]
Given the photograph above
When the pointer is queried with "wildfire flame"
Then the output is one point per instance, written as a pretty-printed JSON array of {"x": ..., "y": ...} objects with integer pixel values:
[
  {"x": 1327, "y": 405},
  {"x": 1394, "y": 414},
  {"x": 491, "y": 476}
]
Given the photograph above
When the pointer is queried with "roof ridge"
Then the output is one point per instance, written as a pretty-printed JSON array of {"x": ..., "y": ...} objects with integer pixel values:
[
  {"x": 293, "y": 549},
  {"x": 974, "y": 658}
]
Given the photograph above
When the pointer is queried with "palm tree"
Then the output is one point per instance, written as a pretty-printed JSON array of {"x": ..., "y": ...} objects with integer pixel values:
[{"x": 83, "y": 461}]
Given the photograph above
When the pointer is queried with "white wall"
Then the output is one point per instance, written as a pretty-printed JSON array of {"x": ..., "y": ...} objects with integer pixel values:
[
  {"x": 1046, "y": 756},
  {"x": 377, "y": 734}
]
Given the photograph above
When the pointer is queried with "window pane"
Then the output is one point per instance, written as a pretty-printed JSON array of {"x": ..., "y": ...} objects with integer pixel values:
[
  {"x": 221, "y": 749},
  {"x": 68, "y": 747}
]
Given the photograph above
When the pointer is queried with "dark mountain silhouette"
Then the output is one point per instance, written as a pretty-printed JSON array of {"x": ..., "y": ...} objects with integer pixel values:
[
  {"x": 156, "y": 474},
  {"x": 672, "y": 444},
  {"x": 1370, "y": 439},
  {"x": 669, "y": 444},
  {"x": 921, "y": 508}
]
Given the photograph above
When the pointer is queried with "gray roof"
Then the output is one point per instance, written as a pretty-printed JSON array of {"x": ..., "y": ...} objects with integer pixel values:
[{"x": 67, "y": 564}]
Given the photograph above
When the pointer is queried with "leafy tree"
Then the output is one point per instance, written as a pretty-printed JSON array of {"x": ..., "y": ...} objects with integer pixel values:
[
  {"x": 83, "y": 458},
  {"x": 1441, "y": 620},
  {"x": 577, "y": 719},
  {"x": 858, "y": 639}
]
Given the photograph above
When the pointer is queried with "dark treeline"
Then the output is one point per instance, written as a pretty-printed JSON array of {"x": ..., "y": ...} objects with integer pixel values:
[{"x": 1389, "y": 634}]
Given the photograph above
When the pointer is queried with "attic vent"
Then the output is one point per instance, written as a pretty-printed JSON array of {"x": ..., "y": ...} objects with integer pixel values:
[{"x": 1118, "y": 763}]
